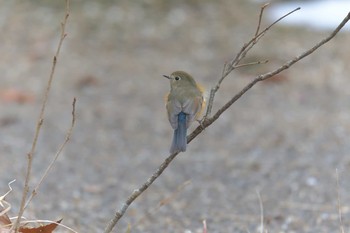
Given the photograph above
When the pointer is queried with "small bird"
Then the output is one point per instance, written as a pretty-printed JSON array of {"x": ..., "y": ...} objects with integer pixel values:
[{"x": 184, "y": 104}]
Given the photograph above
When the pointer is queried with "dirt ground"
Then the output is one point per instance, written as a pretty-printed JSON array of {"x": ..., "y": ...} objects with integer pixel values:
[{"x": 285, "y": 138}]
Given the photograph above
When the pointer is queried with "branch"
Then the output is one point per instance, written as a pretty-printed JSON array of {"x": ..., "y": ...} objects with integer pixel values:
[
  {"x": 261, "y": 212},
  {"x": 341, "y": 225},
  {"x": 234, "y": 63},
  {"x": 4, "y": 205},
  {"x": 41, "y": 120},
  {"x": 138, "y": 191},
  {"x": 260, "y": 18},
  {"x": 68, "y": 135},
  {"x": 208, "y": 121}
]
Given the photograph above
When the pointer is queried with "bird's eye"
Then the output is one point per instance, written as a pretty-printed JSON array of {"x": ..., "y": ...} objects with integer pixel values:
[{"x": 177, "y": 78}]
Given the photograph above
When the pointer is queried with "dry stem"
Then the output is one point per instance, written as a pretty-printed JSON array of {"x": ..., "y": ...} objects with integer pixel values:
[
  {"x": 41, "y": 120},
  {"x": 261, "y": 212},
  {"x": 341, "y": 225},
  {"x": 68, "y": 135},
  {"x": 4, "y": 205},
  {"x": 234, "y": 63},
  {"x": 208, "y": 121}
]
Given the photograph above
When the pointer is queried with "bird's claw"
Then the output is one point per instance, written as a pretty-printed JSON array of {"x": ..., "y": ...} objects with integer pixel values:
[{"x": 200, "y": 122}]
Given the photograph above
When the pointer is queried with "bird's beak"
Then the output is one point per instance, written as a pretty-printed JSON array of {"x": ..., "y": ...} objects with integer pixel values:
[{"x": 166, "y": 76}]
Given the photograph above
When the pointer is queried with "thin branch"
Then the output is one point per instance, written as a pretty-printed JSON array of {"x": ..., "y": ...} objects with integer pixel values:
[
  {"x": 251, "y": 64},
  {"x": 261, "y": 212},
  {"x": 341, "y": 225},
  {"x": 138, "y": 191},
  {"x": 260, "y": 18},
  {"x": 67, "y": 138},
  {"x": 233, "y": 64},
  {"x": 214, "y": 90},
  {"x": 207, "y": 122},
  {"x": 41, "y": 120},
  {"x": 248, "y": 46},
  {"x": 5, "y": 205}
]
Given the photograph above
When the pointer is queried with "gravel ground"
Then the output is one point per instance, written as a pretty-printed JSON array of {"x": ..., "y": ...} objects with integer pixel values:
[{"x": 285, "y": 138}]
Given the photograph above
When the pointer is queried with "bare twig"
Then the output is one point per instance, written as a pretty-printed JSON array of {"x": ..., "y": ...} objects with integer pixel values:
[
  {"x": 234, "y": 63},
  {"x": 208, "y": 121},
  {"x": 261, "y": 212},
  {"x": 41, "y": 119},
  {"x": 341, "y": 225},
  {"x": 251, "y": 63},
  {"x": 138, "y": 191},
  {"x": 248, "y": 46},
  {"x": 5, "y": 206},
  {"x": 68, "y": 135},
  {"x": 260, "y": 18}
]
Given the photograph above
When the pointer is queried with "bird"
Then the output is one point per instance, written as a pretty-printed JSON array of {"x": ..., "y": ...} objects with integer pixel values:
[{"x": 184, "y": 104}]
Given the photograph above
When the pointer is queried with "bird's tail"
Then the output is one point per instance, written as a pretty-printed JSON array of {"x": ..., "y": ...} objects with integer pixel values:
[{"x": 179, "y": 139}]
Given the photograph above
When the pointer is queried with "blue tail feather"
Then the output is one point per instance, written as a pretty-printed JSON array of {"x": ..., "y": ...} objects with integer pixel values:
[{"x": 179, "y": 139}]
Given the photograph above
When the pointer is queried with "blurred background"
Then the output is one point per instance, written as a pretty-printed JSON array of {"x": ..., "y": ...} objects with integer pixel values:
[{"x": 285, "y": 138}]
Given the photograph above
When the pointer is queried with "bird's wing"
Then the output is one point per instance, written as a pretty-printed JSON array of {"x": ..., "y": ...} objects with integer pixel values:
[
  {"x": 173, "y": 108},
  {"x": 193, "y": 107}
]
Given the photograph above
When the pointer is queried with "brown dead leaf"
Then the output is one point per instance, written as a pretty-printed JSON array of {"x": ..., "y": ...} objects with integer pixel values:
[
  {"x": 49, "y": 228},
  {"x": 5, "y": 221}
]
